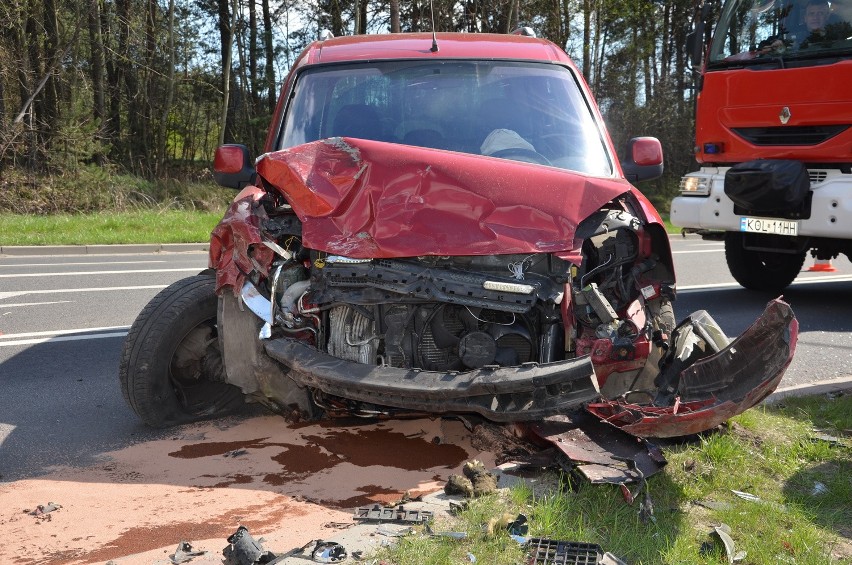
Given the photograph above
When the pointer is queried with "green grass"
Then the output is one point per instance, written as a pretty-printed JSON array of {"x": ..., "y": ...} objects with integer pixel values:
[
  {"x": 140, "y": 226},
  {"x": 769, "y": 452}
]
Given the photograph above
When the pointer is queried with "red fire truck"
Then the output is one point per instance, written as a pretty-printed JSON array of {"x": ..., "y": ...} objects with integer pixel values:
[{"x": 773, "y": 138}]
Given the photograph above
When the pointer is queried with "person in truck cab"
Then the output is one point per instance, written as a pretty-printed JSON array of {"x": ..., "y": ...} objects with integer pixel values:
[{"x": 822, "y": 25}]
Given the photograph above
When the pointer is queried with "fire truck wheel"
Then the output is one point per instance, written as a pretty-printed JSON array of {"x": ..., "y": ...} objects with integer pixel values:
[
  {"x": 761, "y": 270},
  {"x": 171, "y": 368}
]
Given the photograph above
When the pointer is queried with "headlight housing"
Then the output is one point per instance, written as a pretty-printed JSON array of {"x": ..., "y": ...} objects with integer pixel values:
[{"x": 693, "y": 185}]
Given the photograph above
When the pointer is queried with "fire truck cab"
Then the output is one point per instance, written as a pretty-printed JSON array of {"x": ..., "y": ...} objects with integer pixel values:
[{"x": 773, "y": 138}]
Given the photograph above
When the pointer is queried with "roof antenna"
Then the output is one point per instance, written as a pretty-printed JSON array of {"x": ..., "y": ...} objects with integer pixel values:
[{"x": 434, "y": 48}]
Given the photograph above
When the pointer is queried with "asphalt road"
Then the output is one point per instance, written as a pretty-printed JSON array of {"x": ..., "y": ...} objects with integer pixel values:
[{"x": 63, "y": 319}]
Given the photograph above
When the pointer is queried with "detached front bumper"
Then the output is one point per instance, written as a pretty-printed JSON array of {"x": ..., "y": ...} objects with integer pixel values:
[
  {"x": 501, "y": 394},
  {"x": 717, "y": 387}
]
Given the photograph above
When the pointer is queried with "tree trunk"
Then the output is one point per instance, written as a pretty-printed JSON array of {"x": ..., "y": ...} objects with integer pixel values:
[
  {"x": 226, "y": 30},
  {"x": 270, "y": 57},
  {"x": 50, "y": 114},
  {"x": 170, "y": 90},
  {"x": 587, "y": 37},
  {"x": 96, "y": 47},
  {"x": 252, "y": 57},
  {"x": 269, "y": 51},
  {"x": 394, "y": 16}
]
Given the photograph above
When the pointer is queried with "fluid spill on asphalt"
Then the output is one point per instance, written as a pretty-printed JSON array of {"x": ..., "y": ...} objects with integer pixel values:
[
  {"x": 287, "y": 482},
  {"x": 364, "y": 448}
]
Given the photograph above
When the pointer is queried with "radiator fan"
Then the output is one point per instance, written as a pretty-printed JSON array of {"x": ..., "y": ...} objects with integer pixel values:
[{"x": 456, "y": 338}]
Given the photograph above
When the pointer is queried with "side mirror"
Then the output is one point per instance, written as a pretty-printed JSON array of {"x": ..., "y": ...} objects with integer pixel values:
[
  {"x": 695, "y": 38},
  {"x": 232, "y": 166},
  {"x": 644, "y": 159}
]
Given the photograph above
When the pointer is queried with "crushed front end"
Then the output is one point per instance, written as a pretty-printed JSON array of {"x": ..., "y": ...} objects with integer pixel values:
[{"x": 371, "y": 309}]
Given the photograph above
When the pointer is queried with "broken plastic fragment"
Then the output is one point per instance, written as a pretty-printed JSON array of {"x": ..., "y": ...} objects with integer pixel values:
[
  {"x": 543, "y": 551},
  {"x": 245, "y": 550},
  {"x": 712, "y": 504},
  {"x": 746, "y": 496},
  {"x": 328, "y": 552},
  {"x": 723, "y": 532},
  {"x": 45, "y": 509},
  {"x": 610, "y": 559},
  {"x": 518, "y": 527},
  {"x": 399, "y": 514},
  {"x": 184, "y": 553}
]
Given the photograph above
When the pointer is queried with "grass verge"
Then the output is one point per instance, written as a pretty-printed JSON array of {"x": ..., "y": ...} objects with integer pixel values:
[
  {"x": 804, "y": 515},
  {"x": 140, "y": 226}
]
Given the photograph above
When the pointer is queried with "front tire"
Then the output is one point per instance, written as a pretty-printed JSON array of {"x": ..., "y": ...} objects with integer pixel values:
[
  {"x": 761, "y": 270},
  {"x": 171, "y": 368}
]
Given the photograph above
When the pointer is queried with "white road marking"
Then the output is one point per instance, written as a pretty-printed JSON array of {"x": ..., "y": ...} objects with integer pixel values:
[
  {"x": 80, "y": 263},
  {"x": 698, "y": 251},
  {"x": 82, "y": 273},
  {"x": 801, "y": 280},
  {"x": 14, "y": 293},
  {"x": 63, "y": 332},
  {"x": 20, "y": 304},
  {"x": 58, "y": 339}
]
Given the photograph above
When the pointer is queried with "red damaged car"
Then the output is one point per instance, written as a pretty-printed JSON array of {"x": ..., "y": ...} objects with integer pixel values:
[{"x": 441, "y": 225}]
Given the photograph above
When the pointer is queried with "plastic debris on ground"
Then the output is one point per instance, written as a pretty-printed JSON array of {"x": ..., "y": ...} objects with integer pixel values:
[
  {"x": 184, "y": 553},
  {"x": 819, "y": 489},
  {"x": 328, "y": 552},
  {"x": 646, "y": 506},
  {"x": 43, "y": 509},
  {"x": 598, "y": 452},
  {"x": 723, "y": 532},
  {"x": 398, "y": 514},
  {"x": 451, "y": 535},
  {"x": 243, "y": 549},
  {"x": 542, "y": 551},
  {"x": 713, "y": 504},
  {"x": 610, "y": 559},
  {"x": 746, "y": 496},
  {"x": 754, "y": 498}
]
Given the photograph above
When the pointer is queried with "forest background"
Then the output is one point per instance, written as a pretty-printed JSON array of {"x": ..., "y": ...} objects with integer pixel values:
[{"x": 120, "y": 104}]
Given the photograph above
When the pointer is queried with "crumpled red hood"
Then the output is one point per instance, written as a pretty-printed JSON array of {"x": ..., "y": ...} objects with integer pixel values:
[{"x": 371, "y": 199}]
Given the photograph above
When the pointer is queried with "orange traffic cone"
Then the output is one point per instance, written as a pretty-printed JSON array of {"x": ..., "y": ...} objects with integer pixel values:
[{"x": 822, "y": 266}]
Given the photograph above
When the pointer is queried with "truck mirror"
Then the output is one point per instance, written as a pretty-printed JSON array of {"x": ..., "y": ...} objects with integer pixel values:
[
  {"x": 232, "y": 166},
  {"x": 644, "y": 159},
  {"x": 695, "y": 43}
]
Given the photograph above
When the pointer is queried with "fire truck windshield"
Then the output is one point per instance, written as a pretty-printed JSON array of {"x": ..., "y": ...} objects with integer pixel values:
[{"x": 761, "y": 30}]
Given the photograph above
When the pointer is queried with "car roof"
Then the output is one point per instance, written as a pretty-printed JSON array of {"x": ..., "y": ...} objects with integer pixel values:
[{"x": 482, "y": 46}]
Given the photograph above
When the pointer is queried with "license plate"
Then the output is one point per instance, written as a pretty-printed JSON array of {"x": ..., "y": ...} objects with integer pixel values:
[{"x": 769, "y": 225}]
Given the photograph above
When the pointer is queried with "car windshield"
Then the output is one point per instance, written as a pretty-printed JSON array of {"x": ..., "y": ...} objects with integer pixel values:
[
  {"x": 760, "y": 30},
  {"x": 517, "y": 110}
]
